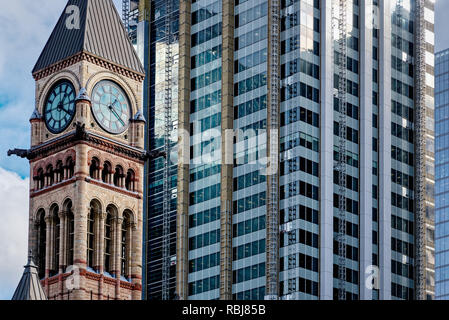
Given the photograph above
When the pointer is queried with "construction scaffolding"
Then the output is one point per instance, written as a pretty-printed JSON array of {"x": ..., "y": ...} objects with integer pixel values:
[
  {"x": 166, "y": 258},
  {"x": 125, "y": 14},
  {"x": 272, "y": 290},
  {"x": 420, "y": 150},
  {"x": 130, "y": 17},
  {"x": 339, "y": 24}
]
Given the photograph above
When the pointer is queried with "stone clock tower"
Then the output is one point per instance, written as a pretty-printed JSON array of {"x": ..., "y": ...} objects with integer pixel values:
[{"x": 87, "y": 157}]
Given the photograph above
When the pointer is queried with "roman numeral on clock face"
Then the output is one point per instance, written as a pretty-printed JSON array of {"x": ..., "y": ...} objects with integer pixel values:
[
  {"x": 110, "y": 107},
  {"x": 59, "y": 108}
]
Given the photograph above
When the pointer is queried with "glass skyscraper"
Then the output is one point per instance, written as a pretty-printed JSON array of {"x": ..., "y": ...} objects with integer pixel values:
[
  {"x": 282, "y": 132},
  {"x": 442, "y": 175},
  {"x": 146, "y": 22}
]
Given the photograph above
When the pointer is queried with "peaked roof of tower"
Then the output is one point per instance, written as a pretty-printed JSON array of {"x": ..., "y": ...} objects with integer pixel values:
[
  {"x": 29, "y": 287},
  {"x": 101, "y": 33}
]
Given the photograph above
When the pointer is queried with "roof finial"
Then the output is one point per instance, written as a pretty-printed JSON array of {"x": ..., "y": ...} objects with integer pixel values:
[{"x": 30, "y": 259}]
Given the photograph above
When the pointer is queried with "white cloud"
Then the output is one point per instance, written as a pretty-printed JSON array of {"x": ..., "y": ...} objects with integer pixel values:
[{"x": 13, "y": 230}]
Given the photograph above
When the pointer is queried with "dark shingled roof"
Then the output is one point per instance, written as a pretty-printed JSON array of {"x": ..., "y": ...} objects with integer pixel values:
[
  {"x": 29, "y": 287},
  {"x": 101, "y": 33}
]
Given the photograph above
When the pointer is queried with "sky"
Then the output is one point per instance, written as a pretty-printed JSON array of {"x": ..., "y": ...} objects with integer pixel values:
[
  {"x": 441, "y": 25},
  {"x": 25, "y": 26}
]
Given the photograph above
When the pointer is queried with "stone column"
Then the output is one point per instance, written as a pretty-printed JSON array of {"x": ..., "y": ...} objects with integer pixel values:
[
  {"x": 47, "y": 253},
  {"x": 66, "y": 172},
  {"x": 100, "y": 255},
  {"x": 47, "y": 246},
  {"x": 81, "y": 209},
  {"x": 62, "y": 250},
  {"x": 110, "y": 178},
  {"x": 62, "y": 242},
  {"x": 117, "y": 254},
  {"x": 136, "y": 255},
  {"x": 51, "y": 244},
  {"x": 97, "y": 173}
]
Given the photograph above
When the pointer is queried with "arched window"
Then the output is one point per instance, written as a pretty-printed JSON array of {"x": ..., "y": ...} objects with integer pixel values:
[
  {"x": 125, "y": 245},
  {"x": 95, "y": 210},
  {"x": 108, "y": 242},
  {"x": 70, "y": 167},
  {"x": 130, "y": 181},
  {"x": 50, "y": 176},
  {"x": 40, "y": 179},
  {"x": 41, "y": 242},
  {"x": 94, "y": 168},
  {"x": 118, "y": 177},
  {"x": 106, "y": 173},
  {"x": 54, "y": 211},
  {"x": 70, "y": 231}
]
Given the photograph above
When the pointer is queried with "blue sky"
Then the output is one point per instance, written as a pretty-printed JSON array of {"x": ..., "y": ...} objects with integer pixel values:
[
  {"x": 441, "y": 25},
  {"x": 25, "y": 26}
]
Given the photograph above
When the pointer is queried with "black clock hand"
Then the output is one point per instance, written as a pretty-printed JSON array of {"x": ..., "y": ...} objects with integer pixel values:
[
  {"x": 61, "y": 107},
  {"x": 116, "y": 114},
  {"x": 112, "y": 104},
  {"x": 61, "y": 102}
]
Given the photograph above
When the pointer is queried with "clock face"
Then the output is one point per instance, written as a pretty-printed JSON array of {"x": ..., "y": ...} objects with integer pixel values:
[
  {"x": 59, "y": 109},
  {"x": 110, "y": 107}
]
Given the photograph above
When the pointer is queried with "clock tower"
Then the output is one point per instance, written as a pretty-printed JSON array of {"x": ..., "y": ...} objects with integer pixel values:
[{"x": 87, "y": 158}]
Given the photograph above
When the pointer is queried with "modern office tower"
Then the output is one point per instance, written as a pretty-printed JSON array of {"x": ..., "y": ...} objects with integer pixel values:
[
  {"x": 305, "y": 156},
  {"x": 442, "y": 175},
  {"x": 149, "y": 24}
]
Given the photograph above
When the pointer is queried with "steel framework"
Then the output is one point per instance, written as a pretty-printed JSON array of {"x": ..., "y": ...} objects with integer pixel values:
[
  {"x": 272, "y": 290},
  {"x": 420, "y": 150},
  {"x": 167, "y": 133},
  {"x": 125, "y": 14},
  {"x": 340, "y": 43}
]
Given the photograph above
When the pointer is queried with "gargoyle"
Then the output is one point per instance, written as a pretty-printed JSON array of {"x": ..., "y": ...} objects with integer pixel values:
[{"x": 22, "y": 153}]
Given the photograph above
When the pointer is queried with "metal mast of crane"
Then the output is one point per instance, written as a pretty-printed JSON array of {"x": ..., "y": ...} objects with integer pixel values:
[
  {"x": 167, "y": 133},
  {"x": 272, "y": 291},
  {"x": 125, "y": 14},
  {"x": 420, "y": 150},
  {"x": 340, "y": 43}
]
